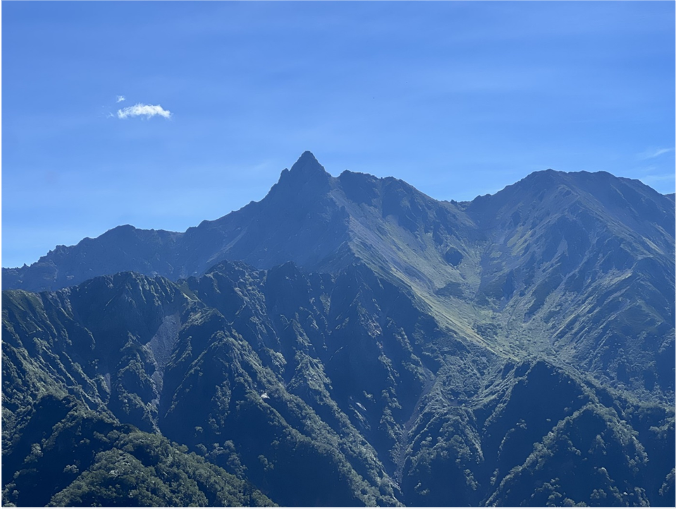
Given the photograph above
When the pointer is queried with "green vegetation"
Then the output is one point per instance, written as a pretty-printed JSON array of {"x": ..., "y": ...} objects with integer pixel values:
[
  {"x": 515, "y": 350},
  {"x": 315, "y": 390},
  {"x": 62, "y": 454}
]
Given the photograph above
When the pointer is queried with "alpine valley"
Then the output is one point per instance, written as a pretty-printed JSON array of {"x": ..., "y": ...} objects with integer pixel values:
[{"x": 351, "y": 341}]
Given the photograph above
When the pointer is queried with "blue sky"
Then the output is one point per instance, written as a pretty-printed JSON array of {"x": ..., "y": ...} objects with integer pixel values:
[{"x": 456, "y": 98}]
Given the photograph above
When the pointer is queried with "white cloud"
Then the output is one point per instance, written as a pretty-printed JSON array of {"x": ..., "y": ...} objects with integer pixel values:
[
  {"x": 143, "y": 109},
  {"x": 120, "y": 99},
  {"x": 654, "y": 153}
]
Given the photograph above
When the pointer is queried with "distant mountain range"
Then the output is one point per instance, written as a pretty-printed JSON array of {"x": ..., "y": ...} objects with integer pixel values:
[{"x": 351, "y": 341}]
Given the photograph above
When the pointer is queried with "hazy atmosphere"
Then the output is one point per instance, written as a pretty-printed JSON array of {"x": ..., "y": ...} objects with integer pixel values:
[{"x": 162, "y": 115}]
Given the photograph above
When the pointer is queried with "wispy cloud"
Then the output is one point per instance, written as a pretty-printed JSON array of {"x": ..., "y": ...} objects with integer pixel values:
[
  {"x": 120, "y": 99},
  {"x": 146, "y": 110},
  {"x": 652, "y": 179},
  {"x": 654, "y": 153}
]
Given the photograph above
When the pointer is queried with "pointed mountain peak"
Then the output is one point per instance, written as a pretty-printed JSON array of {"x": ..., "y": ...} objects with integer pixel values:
[
  {"x": 307, "y": 164},
  {"x": 307, "y": 157},
  {"x": 307, "y": 170}
]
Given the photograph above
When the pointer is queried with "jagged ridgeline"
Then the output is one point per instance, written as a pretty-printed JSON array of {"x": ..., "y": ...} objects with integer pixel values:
[{"x": 350, "y": 341}]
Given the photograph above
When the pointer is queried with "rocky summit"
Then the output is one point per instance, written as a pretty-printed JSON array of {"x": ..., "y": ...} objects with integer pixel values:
[{"x": 350, "y": 341}]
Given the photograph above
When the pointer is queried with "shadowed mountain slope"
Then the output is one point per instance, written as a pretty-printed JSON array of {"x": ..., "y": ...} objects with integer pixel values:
[
  {"x": 318, "y": 390},
  {"x": 310, "y": 218},
  {"x": 351, "y": 341},
  {"x": 489, "y": 271}
]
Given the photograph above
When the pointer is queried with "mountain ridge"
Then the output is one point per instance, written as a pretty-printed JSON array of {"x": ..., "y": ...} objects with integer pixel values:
[
  {"x": 487, "y": 271},
  {"x": 351, "y": 341},
  {"x": 48, "y": 272},
  {"x": 299, "y": 359}
]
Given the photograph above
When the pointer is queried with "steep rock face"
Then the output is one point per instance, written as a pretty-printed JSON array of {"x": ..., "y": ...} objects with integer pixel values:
[{"x": 297, "y": 221}]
